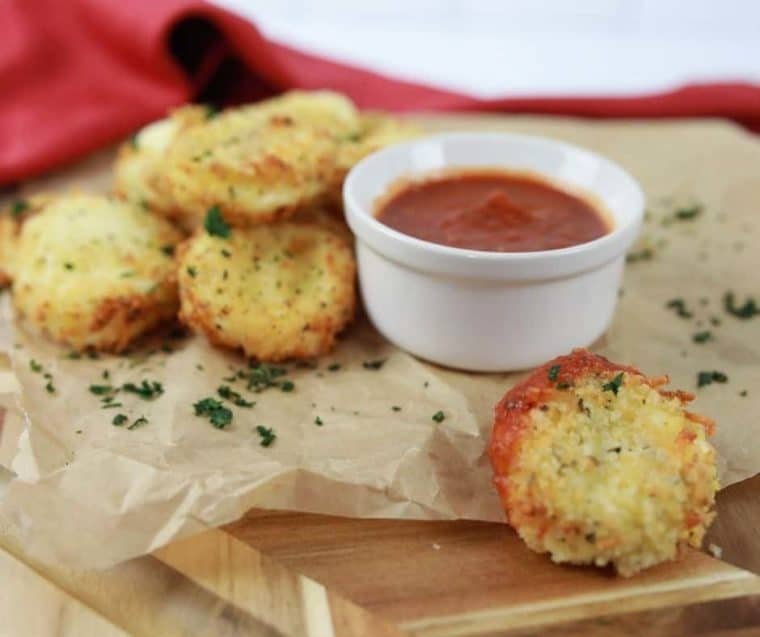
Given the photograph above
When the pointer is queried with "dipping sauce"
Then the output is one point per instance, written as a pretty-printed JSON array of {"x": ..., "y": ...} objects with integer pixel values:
[{"x": 492, "y": 210}]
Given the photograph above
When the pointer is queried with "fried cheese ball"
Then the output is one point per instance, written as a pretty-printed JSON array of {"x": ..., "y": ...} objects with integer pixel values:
[
  {"x": 257, "y": 163},
  {"x": 327, "y": 110},
  {"x": 94, "y": 272},
  {"x": 377, "y": 131},
  {"x": 12, "y": 219},
  {"x": 139, "y": 168},
  {"x": 595, "y": 464},
  {"x": 281, "y": 291}
]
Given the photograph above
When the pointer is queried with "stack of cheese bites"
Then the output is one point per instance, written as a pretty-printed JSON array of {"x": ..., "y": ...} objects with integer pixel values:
[{"x": 230, "y": 220}]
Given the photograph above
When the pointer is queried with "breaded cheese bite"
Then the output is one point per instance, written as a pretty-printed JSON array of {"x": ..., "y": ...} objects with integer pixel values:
[
  {"x": 377, "y": 131},
  {"x": 12, "y": 219},
  {"x": 277, "y": 292},
  {"x": 595, "y": 464},
  {"x": 256, "y": 166},
  {"x": 139, "y": 168},
  {"x": 327, "y": 110},
  {"x": 95, "y": 273}
]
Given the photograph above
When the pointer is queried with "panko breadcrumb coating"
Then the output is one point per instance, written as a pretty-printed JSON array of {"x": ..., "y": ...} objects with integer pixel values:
[
  {"x": 281, "y": 291},
  {"x": 595, "y": 464},
  {"x": 259, "y": 163},
  {"x": 139, "y": 169},
  {"x": 94, "y": 272},
  {"x": 12, "y": 219},
  {"x": 377, "y": 131},
  {"x": 327, "y": 110}
]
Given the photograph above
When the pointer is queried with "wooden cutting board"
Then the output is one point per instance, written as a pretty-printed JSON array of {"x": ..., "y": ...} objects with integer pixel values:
[{"x": 277, "y": 573}]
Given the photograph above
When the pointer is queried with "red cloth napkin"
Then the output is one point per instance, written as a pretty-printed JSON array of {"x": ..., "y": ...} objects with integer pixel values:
[{"x": 78, "y": 74}]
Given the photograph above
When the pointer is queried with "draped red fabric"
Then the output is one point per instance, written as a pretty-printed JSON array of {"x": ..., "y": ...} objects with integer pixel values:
[{"x": 79, "y": 74}]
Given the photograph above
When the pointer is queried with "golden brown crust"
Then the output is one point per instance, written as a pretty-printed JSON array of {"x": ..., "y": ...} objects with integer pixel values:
[
  {"x": 277, "y": 292},
  {"x": 96, "y": 273},
  {"x": 581, "y": 468}
]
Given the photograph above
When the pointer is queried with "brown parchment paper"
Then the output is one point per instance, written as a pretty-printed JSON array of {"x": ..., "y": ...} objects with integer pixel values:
[{"x": 89, "y": 494}]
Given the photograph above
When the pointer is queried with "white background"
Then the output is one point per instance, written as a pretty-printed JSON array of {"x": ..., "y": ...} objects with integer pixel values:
[{"x": 527, "y": 47}]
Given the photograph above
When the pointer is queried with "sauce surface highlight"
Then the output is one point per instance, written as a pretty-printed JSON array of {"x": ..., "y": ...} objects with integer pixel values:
[{"x": 492, "y": 210}]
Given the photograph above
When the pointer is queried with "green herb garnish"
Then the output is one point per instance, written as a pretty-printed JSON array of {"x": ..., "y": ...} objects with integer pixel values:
[
  {"x": 746, "y": 311},
  {"x": 261, "y": 376},
  {"x": 267, "y": 435},
  {"x": 168, "y": 250},
  {"x": 119, "y": 420},
  {"x": 642, "y": 255},
  {"x": 142, "y": 420},
  {"x": 318, "y": 421},
  {"x": 439, "y": 416},
  {"x": 215, "y": 411},
  {"x": 68, "y": 265},
  {"x": 702, "y": 337},
  {"x": 228, "y": 394},
  {"x": 743, "y": 393},
  {"x": 376, "y": 364},
  {"x": 147, "y": 390},
  {"x": 614, "y": 385},
  {"x": 553, "y": 372},
  {"x": 35, "y": 366},
  {"x": 708, "y": 378},
  {"x": 679, "y": 305},
  {"x": 215, "y": 224},
  {"x": 287, "y": 385},
  {"x": 688, "y": 213},
  {"x": 211, "y": 111},
  {"x": 192, "y": 271},
  {"x": 395, "y": 408},
  {"x": 333, "y": 367},
  {"x": 101, "y": 390},
  {"x": 19, "y": 206},
  {"x": 50, "y": 388}
]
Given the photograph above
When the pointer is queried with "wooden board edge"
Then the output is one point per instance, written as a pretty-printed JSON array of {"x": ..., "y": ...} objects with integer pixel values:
[
  {"x": 291, "y": 602},
  {"x": 730, "y": 582}
]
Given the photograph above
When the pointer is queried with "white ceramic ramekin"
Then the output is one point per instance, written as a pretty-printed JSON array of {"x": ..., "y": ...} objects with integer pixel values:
[{"x": 490, "y": 311}]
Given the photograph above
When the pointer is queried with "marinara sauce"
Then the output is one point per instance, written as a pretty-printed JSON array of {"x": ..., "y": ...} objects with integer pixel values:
[{"x": 492, "y": 210}]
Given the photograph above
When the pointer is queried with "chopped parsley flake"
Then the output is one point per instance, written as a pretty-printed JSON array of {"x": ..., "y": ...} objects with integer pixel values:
[
  {"x": 119, "y": 420},
  {"x": 50, "y": 388},
  {"x": 642, "y": 255},
  {"x": 743, "y": 393},
  {"x": 192, "y": 271},
  {"x": 68, "y": 265},
  {"x": 375, "y": 365},
  {"x": 142, "y": 420},
  {"x": 746, "y": 311},
  {"x": 147, "y": 390},
  {"x": 395, "y": 408},
  {"x": 168, "y": 250},
  {"x": 553, "y": 372},
  {"x": 110, "y": 405},
  {"x": 687, "y": 213},
  {"x": 333, "y": 367},
  {"x": 211, "y": 408},
  {"x": 211, "y": 111},
  {"x": 226, "y": 253},
  {"x": 318, "y": 421},
  {"x": 19, "y": 206},
  {"x": 614, "y": 385},
  {"x": 679, "y": 305},
  {"x": 702, "y": 337},
  {"x": 261, "y": 376},
  {"x": 215, "y": 224},
  {"x": 74, "y": 356},
  {"x": 228, "y": 394},
  {"x": 35, "y": 366},
  {"x": 101, "y": 390},
  {"x": 439, "y": 416},
  {"x": 267, "y": 435},
  {"x": 708, "y": 378},
  {"x": 563, "y": 385}
]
